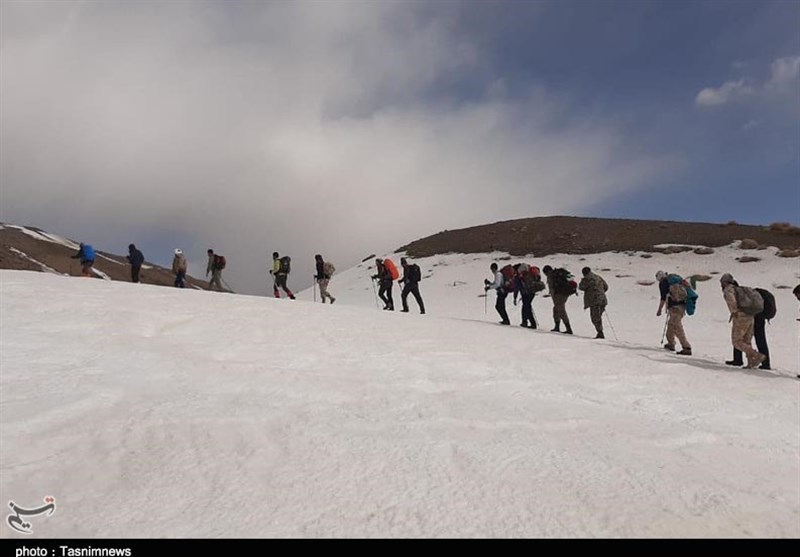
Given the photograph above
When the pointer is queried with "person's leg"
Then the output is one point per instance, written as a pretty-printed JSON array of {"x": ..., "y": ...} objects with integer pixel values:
[
  {"x": 596, "y": 314},
  {"x": 418, "y": 298},
  {"x": 759, "y": 327}
]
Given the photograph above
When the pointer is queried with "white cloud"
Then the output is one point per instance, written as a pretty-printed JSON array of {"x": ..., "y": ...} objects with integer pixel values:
[
  {"x": 296, "y": 127},
  {"x": 785, "y": 71},
  {"x": 727, "y": 92}
]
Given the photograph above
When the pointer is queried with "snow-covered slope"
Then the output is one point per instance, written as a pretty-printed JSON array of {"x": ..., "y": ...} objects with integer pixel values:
[{"x": 155, "y": 412}]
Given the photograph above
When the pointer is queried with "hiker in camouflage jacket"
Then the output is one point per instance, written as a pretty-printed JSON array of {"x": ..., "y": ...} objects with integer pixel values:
[{"x": 594, "y": 288}]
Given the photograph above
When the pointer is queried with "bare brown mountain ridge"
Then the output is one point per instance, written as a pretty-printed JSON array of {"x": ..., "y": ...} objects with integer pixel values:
[
  {"x": 30, "y": 248},
  {"x": 583, "y": 235}
]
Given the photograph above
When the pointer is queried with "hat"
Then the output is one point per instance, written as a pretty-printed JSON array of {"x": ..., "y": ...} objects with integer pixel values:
[
  {"x": 661, "y": 275},
  {"x": 178, "y": 251},
  {"x": 546, "y": 269},
  {"x": 586, "y": 271},
  {"x": 274, "y": 255},
  {"x": 727, "y": 278}
]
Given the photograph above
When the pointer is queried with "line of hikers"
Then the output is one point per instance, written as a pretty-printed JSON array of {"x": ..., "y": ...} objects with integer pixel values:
[{"x": 750, "y": 308}]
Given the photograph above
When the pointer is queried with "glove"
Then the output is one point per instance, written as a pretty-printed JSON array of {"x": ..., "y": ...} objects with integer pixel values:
[
  {"x": 486, "y": 288},
  {"x": 658, "y": 313},
  {"x": 270, "y": 271},
  {"x": 486, "y": 282}
]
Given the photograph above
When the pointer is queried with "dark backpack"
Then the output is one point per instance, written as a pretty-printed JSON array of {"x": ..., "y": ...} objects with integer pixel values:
[
  {"x": 415, "y": 273},
  {"x": 563, "y": 283},
  {"x": 219, "y": 262},
  {"x": 286, "y": 264},
  {"x": 770, "y": 309}
]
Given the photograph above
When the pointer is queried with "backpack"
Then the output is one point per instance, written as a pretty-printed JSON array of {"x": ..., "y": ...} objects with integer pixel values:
[
  {"x": 748, "y": 300},
  {"x": 286, "y": 265},
  {"x": 563, "y": 282},
  {"x": 219, "y": 262},
  {"x": 328, "y": 269},
  {"x": 508, "y": 278},
  {"x": 415, "y": 273},
  {"x": 88, "y": 252},
  {"x": 770, "y": 309},
  {"x": 391, "y": 269},
  {"x": 677, "y": 288}
]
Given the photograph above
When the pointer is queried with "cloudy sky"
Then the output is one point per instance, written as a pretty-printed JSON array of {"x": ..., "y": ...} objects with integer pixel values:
[{"x": 350, "y": 128}]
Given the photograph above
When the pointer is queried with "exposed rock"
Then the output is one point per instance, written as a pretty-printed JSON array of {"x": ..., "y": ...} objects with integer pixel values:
[
  {"x": 747, "y": 259},
  {"x": 788, "y": 253},
  {"x": 748, "y": 243},
  {"x": 645, "y": 282},
  {"x": 704, "y": 251},
  {"x": 701, "y": 278},
  {"x": 646, "y": 255}
]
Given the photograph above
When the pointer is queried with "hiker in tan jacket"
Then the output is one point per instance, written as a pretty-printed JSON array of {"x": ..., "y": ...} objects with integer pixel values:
[
  {"x": 742, "y": 324},
  {"x": 179, "y": 267}
]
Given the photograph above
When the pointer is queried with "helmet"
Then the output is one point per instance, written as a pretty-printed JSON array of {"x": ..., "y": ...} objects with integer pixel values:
[
  {"x": 178, "y": 251},
  {"x": 661, "y": 275}
]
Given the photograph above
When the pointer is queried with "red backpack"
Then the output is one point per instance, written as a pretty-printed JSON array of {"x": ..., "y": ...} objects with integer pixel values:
[
  {"x": 219, "y": 262},
  {"x": 508, "y": 278}
]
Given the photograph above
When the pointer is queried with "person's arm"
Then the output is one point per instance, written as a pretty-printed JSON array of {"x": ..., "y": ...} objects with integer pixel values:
[
  {"x": 730, "y": 299},
  {"x": 663, "y": 288},
  {"x": 584, "y": 284}
]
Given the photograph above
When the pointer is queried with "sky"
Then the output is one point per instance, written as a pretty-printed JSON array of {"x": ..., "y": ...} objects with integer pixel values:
[{"x": 351, "y": 128}]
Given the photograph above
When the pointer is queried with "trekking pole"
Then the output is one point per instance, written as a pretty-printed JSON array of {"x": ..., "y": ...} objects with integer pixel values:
[
  {"x": 611, "y": 324},
  {"x": 374, "y": 291},
  {"x": 664, "y": 334},
  {"x": 314, "y": 286},
  {"x": 485, "y": 301},
  {"x": 535, "y": 321},
  {"x": 226, "y": 285}
]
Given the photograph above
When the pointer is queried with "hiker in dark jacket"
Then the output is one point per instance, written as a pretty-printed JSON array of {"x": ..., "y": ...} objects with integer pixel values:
[
  {"x": 410, "y": 281},
  {"x": 280, "y": 274},
  {"x": 385, "y": 284},
  {"x": 528, "y": 284},
  {"x": 559, "y": 295},
  {"x": 594, "y": 288},
  {"x": 214, "y": 268},
  {"x": 86, "y": 256},
  {"x": 676, "y": 310},
  {"x": 323, "y": 277},
  {"x": 498, "y": 286},
  {"x": 135, "y": 258}
]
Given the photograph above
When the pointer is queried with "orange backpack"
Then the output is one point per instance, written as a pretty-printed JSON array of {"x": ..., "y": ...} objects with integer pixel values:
[{"x": 387, "y": 263}]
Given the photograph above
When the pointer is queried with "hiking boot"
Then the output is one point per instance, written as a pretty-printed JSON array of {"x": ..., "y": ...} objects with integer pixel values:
[
  {"x": 333, "y": 300},
  {"x": 568, "y": 331},
  {"x": 670, "y": 347},
  {"x": 292, "y": 298},
  {"x": 600, "y": 335},
  {"x": 757, "y": 359},
  {"x": 422, "y": 312},
  {"x": 685, "y": 352},
  {"x": 764, "y": 366},
  {"x": 403, "y": 311},
  {"x": 555, "y": 330},
  {"x": 733, "y": 363}
]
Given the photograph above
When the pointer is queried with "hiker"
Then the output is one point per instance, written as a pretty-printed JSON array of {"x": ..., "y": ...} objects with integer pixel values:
[
  {"x": 410, "y": 281},
  {"x": 179, "y": 267},
  {"x": 281, "y": 267},
  {"x": 215, "y": 265},
  {"x": 86, "y": 257},
  {"x": 498, "y": 285},
  {"x": 325, "y": 270},
  {"x": 385, "y": 274},
  {"x": 528, "y": 283},
  {"x": 759, "y": 328},
  {"x": 796, "y": 293},
  {"x": 594, "y": 298},
  {"x": 674, "y": 295},
  {"x": 561, "y": 287},
  {"x": 135, "y": 258},
  {"x": 743, "y": 303}
]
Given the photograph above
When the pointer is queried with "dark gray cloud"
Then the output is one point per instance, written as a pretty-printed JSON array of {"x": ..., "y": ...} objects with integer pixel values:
[{"x": 300, "y": 127}]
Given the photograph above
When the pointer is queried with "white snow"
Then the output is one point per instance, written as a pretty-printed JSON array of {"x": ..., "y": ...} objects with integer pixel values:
[
  {"x": 44, "y": 267},
  {"x": 150, "y": 411}
]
